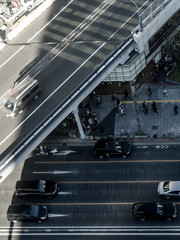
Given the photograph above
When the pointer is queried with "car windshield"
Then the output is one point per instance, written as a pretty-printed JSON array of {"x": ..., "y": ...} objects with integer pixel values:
[
  {"x": 166, "y": 186},
  {"x": 118, "y": 148},
  {"x": 41, "y": 185},
  {"x": 34, "y": 210},
  {"x": 160, "y": 209}
]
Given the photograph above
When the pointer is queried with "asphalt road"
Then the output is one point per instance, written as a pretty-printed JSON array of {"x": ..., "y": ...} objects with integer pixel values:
[
  {"x": 76, "y": 20},
  {"x": 96, "y": 196}
]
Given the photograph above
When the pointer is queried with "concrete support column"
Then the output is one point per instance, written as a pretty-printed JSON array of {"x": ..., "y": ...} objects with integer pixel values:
[
  {"x": 81, "y": 131},
  {"x": 133, "y": 91}
]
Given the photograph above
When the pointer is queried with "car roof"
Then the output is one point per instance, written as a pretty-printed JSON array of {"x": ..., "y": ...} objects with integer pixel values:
[
  {"x": 28, "y": 184},
  {"x": 147, "y": 207},
  {"x": 107, "y": 143},
  {"x": 174, "y": 185},
  {"x": 20, "y": 209}
]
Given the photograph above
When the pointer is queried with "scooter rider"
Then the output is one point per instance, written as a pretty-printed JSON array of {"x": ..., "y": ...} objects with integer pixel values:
[{"x": 45, "y": 150}]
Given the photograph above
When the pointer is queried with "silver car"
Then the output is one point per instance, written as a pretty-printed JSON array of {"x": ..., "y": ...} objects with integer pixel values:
[{"x": 169, "y": 189}]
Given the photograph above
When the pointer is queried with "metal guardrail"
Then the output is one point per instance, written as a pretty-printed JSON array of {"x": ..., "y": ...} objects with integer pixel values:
[{"x": 149, "y": 13}]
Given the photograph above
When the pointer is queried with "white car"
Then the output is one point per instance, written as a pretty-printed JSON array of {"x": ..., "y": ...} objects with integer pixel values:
[{"x": 169, "y": 189}]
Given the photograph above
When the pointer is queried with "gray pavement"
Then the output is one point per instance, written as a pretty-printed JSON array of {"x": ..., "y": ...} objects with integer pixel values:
[{"x": 164, "y": 124}]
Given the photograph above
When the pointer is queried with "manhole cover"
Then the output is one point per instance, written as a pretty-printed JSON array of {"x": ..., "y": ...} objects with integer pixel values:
[{"x": 154, "y": 127}]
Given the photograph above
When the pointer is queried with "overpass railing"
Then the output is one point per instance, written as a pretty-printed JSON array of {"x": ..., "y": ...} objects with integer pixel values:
[{"x": 149, "y": 13}]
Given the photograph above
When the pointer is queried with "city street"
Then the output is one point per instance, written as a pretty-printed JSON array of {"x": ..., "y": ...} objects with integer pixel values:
[{"x": 96, "y": 196}]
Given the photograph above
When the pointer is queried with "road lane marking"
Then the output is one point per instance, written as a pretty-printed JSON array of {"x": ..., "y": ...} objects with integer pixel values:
[
  {"x": 91, "y": 234},
  {"x": 98, "y": 15},
  {"x": 88, "y": 17},
  {"x": 83, "y": 203},
  {"x": 107, "y": 161},
  {"x": 73, "y": 34},
  {"x": 132, "y": 227},
  {"x": 52, "y": 215},
  {"x": 110, "y": 182},
  {"x": 87, "y": 203},
  {"x": 65, "y": 193},
  {"x": 54, "y": 172},
  {"x": 90, "y": 230}
]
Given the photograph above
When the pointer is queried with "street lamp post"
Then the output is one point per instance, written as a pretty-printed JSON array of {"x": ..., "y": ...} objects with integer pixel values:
[{"x": 139, "y": 16}]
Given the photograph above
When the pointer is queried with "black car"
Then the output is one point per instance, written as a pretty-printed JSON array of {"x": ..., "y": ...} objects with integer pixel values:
[
  {"x": 111, "y": 147},
  {"x": 32, "y": 188},
  {"x": 154, "y": 210},
  {"x": 23, "y": 213}
]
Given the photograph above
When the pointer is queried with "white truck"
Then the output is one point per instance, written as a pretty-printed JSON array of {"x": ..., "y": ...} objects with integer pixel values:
[{"x": 12, "y": 10}]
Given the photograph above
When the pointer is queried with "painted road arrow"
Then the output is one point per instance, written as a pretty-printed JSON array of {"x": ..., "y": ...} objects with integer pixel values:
[
  {"x": 62, "y": 153},
  {"x": 161, "y": 146},
  {"x": 65, "y": 152},
  {"x": 142, "y": 147},
  {"x": 54, "y": 172}
]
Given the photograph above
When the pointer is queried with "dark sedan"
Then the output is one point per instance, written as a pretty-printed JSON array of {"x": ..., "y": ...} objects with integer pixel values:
[
  {"x": 24, "y": 213},
  {"x": 36, "y": 188},
  {"x": 154, "y": 210},
  {"x": 111, "y": 147}
]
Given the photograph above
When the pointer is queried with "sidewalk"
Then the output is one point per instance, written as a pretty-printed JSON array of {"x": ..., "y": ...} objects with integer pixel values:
[{"x": 164, "y": 124}]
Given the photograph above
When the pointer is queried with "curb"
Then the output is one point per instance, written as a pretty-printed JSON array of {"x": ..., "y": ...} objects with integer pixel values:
[{"x": 171, "y": 81}]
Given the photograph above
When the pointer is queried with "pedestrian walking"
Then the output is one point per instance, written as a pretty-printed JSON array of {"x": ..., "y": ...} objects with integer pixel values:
[
  {"x": 154, "y": 107},
  {"x": 175, "y": 109},
  {"x": 114, "y": 97},
  {"x": 101, "y": 128},
  {"x": 119, "y": 106},
  {"x": 144, "y": 108},
  {"x": 149, "y": 91},
  {"x": 88, "y": 106},
  {"x": 164, "y": 91},
  {"x": 155, "y": 76},
  {"x": 122, "y": 111},
  {"x": 118, "y": 102},
  {"x": 95, "y": 118},
  {"x": 90, "y": 121},
  {"x": 98, "y": 102},
  {"x": 125, "y": 93}
]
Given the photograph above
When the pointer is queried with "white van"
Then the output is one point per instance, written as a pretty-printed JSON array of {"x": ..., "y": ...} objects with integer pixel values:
[{"x": 20, "y": 95}]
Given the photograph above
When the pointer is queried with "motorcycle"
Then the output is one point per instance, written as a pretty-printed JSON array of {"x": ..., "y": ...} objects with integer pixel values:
[{"x": 47, "y": 150}]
